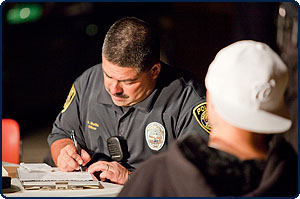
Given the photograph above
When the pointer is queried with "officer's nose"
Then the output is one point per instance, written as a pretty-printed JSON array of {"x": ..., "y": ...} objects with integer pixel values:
[{"x": 115, "y": 88}]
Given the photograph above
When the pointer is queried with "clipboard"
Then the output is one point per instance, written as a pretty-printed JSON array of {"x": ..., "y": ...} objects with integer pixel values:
[{"x": 40, "y": 176}]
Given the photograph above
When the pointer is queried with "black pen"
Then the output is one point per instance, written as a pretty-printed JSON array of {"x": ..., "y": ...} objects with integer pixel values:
[{"x": 76, "y": 145}]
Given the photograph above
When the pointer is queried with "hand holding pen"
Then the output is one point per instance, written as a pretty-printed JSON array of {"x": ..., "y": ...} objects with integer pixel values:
[
  {"x": 67, "y": 156},
  {"x": 76, "y": 146}
]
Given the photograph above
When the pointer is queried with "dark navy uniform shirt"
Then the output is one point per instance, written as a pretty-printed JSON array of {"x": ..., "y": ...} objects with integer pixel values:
[{"x": 175, "y": 107}]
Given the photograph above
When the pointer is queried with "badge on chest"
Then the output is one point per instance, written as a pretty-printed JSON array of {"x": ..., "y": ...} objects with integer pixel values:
[{"x": 155, "y": 135}]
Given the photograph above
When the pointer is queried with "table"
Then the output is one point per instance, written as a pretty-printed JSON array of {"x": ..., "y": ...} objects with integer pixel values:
[{"x": 17, "y": 190}]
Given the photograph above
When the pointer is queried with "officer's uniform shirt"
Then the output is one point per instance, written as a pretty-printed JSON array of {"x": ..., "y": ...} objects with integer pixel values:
[{"x": 175, "y": 107}]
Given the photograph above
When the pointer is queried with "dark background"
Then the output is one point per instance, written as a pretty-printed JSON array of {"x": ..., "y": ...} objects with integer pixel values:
[{"x": 42, "y": 58}]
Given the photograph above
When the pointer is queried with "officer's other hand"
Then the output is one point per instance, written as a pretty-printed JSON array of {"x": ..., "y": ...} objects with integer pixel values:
[
  {"x": 112, "y": 171},
  {"x": 69, "y": 160}
]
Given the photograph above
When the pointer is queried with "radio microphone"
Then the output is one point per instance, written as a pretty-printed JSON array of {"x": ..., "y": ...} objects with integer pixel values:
[{"x": 117, "y": 148}]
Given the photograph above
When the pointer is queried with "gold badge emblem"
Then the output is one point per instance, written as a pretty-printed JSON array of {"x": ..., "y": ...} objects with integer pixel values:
[
  {"x": 155, "y": 135},
  {"x": 69, "y": 99},
  {"x": 201, "y": 116}
]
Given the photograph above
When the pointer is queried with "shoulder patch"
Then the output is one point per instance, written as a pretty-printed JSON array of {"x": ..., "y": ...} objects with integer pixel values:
[
  {"x": 69, "y": 99},
  {"x": 201, "y": 116}
]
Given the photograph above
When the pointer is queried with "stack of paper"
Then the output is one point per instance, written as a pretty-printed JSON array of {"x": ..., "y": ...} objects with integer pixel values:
[
  {"x": 36, "y": 167},
  {"x": 42, "y": 175}
]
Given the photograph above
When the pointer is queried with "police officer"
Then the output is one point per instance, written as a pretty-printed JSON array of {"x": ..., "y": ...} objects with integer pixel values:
[
  {"x": 133, "y": 95},
  {"x": 245, "y": 105}
]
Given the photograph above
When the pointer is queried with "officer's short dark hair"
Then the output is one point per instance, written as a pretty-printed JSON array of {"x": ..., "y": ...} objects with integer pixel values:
[{"x": 131, "y": 42}]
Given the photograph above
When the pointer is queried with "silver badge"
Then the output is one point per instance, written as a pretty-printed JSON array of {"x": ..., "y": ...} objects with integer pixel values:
[{"x": 155, "y": 135}]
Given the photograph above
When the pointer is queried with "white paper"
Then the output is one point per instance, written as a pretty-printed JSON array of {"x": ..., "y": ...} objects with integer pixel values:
[
  {"x": 53, "y": 183},
  {"x": 54, "y": 175},
  {"x": 36, "y": 166}
]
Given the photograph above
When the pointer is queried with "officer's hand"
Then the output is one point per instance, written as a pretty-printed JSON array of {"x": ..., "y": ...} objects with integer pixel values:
[
  {"x": 69, "y": 160},
  {"x": 112, "y": 171}
]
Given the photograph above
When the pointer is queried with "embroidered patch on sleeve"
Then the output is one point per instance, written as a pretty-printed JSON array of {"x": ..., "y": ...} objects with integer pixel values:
[
  {"x": 69, "y": 99},
  {"x": 201, "y": 116}
]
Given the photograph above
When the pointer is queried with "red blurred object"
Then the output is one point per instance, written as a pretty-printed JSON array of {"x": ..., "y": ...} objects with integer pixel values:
[{"x": 10, "y": 141}]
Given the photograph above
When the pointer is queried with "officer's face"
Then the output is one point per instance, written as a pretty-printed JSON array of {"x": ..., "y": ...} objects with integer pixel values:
[{"x": 125, "y": 85}]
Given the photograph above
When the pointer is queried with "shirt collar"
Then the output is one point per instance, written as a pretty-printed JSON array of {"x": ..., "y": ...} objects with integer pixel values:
[
  {"x": 148, "y": 102},
  {"x": 104, "y": 97}
]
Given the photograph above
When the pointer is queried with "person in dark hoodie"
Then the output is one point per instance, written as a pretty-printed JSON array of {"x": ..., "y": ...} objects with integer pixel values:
[{"x": 246, "y": 154}]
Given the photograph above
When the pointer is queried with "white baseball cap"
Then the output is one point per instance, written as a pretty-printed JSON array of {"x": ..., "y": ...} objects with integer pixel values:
[{"x": 246, "y": 82}]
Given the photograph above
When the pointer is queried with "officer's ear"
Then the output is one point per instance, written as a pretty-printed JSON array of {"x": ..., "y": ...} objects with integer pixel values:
[{"x": 155, "y": 70}]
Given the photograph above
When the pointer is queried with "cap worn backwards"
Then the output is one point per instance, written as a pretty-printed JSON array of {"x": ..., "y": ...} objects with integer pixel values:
[{"x": 247, "y": 81}]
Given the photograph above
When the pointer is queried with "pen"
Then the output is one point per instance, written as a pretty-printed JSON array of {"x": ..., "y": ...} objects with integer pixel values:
[{"x": 76, "y": 145}]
